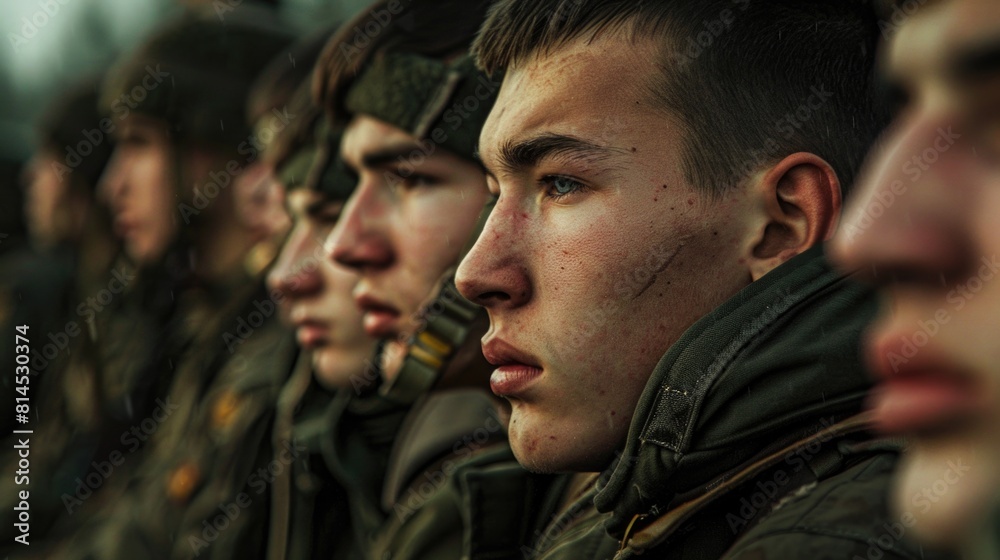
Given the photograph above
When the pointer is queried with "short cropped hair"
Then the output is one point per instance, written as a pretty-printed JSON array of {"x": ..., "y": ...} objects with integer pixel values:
[{"x": 752, "y": 80}]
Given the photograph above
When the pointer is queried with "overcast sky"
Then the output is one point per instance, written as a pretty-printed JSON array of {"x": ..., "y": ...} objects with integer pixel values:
[{"x": 42, "y": 52}]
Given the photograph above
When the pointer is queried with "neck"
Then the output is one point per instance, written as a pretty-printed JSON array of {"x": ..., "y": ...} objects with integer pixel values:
[{"x": 220, "y": 250}]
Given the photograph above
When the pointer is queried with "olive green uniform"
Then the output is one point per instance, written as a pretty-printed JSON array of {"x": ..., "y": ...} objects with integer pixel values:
[
  {"x": 748, "y": 443},
  {"x": 186, "y": 371}
]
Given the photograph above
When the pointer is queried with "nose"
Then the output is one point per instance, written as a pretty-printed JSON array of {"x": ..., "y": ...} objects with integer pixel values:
[
  {"x": 361, "y": 239},
  {"x": 296, "y": 271},
  {"x": 112, "y": 184},
  {"x": 905, "y": 219},
  {"x": 494, "y": 274}
]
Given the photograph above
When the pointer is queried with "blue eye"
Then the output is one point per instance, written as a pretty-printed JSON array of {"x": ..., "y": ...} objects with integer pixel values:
[{"x": 558, "y": 187}]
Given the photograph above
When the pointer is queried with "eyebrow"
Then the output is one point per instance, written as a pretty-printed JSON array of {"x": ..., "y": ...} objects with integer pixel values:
[
  {"x": 978, "y": 61},
  {"x": 387, "y": 157},
  {"x": 515, "y": 157}
]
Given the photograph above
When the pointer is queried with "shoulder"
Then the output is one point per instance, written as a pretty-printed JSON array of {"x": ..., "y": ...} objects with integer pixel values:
[{"x": 844, "y": 516}]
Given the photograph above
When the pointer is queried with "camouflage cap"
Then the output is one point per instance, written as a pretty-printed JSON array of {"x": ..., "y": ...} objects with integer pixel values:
[
  {"x": 305, "y": 154},
  {"x": 73, "y": 119},
  {"x": 195, "y": 73},
  {"x": 278, "y": 84},
  {"x": 328, "y": 174},
  {"x": 446, "y": 103},
  {"x": 288, "y": 138}
]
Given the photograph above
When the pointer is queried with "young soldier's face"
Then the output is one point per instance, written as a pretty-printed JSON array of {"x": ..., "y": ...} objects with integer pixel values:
[
  {"x": 48, "y": 205},
  {"x": 259, "y": 200},
  {"x": 317, "y": 292},
  {"x": 598, "y": 254},
  {"x": 139, "y": 188},
  {"x": 408, "y": 219},
  {"x": 925, "y": 224}
]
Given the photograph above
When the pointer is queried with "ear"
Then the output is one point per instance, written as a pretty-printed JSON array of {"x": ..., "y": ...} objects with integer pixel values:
[{"x": 801, "y": 202}]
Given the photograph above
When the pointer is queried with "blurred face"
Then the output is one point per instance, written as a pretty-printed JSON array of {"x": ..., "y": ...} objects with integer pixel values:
[
  {"x": 259, "y": 199},
  {"x": 412, "y": 212},
  {"x": 49, "y": 208},
  {"x": 924, "y": 225},
  {"x": 598, "y": 254},
  {"x": 138, "y": 185},
  {"x": 318, "y": 293}
]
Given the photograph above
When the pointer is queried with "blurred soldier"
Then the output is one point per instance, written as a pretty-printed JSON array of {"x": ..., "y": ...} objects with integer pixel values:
[
  {"x": 258, "y": 192},
  {"x": 72, "y": 250},
  {"x": 70, "y": 233},
  {"x": 316, "y": 299},
  {"x": 660, "y": 308},
  {"x": 924, "y": 227},
  {"x": 309, "y": 512},
  {"x": 402, "y": 436},
  {"x": 199, "y": 404}
]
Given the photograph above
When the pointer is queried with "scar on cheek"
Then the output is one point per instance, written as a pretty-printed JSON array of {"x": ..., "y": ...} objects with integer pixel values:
[{"x": 656, "y": 263}]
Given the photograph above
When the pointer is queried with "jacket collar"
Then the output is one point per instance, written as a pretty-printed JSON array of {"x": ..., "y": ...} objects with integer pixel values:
[{"x": 759, "y": 372}]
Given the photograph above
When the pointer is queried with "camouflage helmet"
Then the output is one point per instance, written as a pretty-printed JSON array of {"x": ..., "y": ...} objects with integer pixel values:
[
  {"x": 278, "y": 84},
  {"x": 71, "y": 123},
  {"x": 282, "y": 113},
  {"x": 293, "y": 147},
  {"x": 416, "y": 74},
  {"x": 305, "y": 155},
  {"x": 195, "y": 73}
]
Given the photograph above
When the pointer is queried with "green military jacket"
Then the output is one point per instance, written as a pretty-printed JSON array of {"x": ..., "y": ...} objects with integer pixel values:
[
  {"x": 86, "y": 397},
  {"x": 435, "y": 480},
  {"x": 198, "y": 485},
  {"x": 395, "y": 460},
  {"x": 309, "y": 508},
  {"x": 747, "y": 443}
]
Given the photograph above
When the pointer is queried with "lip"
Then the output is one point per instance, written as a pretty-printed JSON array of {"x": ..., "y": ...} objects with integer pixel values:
[
  {"x": 311, "y": 333},
  {"x": 123, "y": 228},
  {"x": 921, "y": 392},
  {"x": 516, "y": 370},
  {"x": 380, "y": 318}
]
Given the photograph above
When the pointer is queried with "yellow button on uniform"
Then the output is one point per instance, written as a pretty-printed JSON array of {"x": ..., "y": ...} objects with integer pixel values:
[
  {"x": 182, "y": 482},
  {"x": 224, "y": 410}
]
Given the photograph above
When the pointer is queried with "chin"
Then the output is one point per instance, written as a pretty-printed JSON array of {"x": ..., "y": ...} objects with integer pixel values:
[
  {"x": 143, "y": 253},
  {"x": 547, "y": 447},
  {"x": 943, "y": 490},
  {"x": 327, "y": 372}
]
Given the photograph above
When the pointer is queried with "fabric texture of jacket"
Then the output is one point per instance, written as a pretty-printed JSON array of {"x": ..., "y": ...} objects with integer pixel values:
[{"x": 747, "y": 443}]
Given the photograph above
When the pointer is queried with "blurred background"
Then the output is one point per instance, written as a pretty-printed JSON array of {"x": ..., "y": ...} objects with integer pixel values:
[{"x": 49, "y": 43}]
